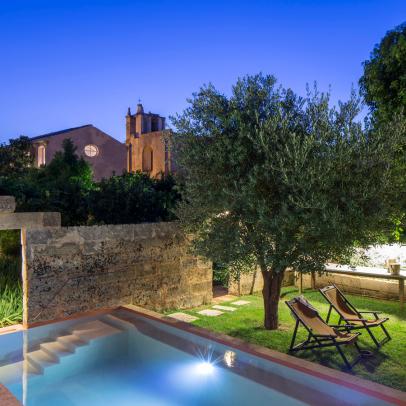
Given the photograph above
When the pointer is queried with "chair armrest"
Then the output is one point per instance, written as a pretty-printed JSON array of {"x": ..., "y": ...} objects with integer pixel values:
[
  {"x": 326, "y": 335},
  {"x": 356, "y": 320},
  {"x": 342, "y": 326},
  {"x": 370, "y": 312},
  {"x": 374, "y": 313}
]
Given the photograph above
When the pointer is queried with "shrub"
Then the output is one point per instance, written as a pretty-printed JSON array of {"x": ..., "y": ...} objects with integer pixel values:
[{"x": 11, "y": 302}]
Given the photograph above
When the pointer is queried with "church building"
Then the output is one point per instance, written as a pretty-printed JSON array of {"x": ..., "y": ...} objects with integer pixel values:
[
  {"x": 105, "y": 154},
  {"x": 147, "y": 143},
  {"x": 146, "y": 148}
]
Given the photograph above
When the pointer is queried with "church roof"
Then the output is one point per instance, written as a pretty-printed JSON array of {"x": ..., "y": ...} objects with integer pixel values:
[{"x": 67, "y": 130}]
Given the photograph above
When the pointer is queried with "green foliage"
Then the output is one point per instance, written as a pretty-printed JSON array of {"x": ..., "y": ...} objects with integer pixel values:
[
  {"x": 15, "y": 156},
  {"x": 11, "y": 297},
  {"x": 133, "y": 198},
  {"x": 276, "y": 180},
  {"x": 221, "y": 275},
  {"x": 61, "y": 186},
  {"x": 383, "y": 83},
  {"x": 383, "y": 86},
  {"x": 10, "y": 243}
]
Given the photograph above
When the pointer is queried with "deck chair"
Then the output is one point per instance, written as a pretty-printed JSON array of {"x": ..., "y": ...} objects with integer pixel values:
[
  {"x": 320, "y": 334},
  {"x": 352, "y": 316}
]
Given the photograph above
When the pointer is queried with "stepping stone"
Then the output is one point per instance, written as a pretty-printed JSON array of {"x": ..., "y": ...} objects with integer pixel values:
[
  {"x": 240, "y": 302},
  {"x": 210, "y": 312},
  {"x": 226, "y": 308},
  {"x": 183, "y": 317},
  {"x": 225, "y": 298}
]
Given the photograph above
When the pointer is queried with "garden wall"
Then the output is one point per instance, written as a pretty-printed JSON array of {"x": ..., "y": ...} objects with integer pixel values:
[
  {"x": 371, "y": 287},
  {"x": 76, "y": 269},
  {"x": 248, "y": 284}
]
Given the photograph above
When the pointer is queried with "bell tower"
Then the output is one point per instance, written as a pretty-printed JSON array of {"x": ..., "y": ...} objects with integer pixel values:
[{"x": 146, "y": 148}]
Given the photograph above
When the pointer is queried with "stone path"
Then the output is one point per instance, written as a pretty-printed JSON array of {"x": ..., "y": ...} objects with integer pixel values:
[
  {"x": 226, "y": 308},
  {"x": 216, "y": 310},
  {"x": 224, "y": 298},
  {"x": 183, "y": 317},
  {"x": 210, "y": 312},
  {"x": 240, "y": 302}
]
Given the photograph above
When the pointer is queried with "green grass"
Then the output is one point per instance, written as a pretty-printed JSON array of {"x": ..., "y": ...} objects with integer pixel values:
[
  {"x": 387, "y": 366},
  {"x": 11, "y": 297}
]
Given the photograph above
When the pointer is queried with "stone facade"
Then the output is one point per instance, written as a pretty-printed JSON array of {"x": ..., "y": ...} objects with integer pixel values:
[
  {"x": 76, "y": 269},
  {"x": 105, "y": 154},
  {"x": 248, "y": 284},
  {"x": 147, "y": 143}
]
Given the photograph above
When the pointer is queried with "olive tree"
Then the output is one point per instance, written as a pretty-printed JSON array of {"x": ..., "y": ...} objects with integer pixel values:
[{"x": 276, "y": 181}]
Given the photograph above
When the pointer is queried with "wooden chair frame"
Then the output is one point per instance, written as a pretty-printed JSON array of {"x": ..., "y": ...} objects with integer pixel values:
[
  {"x": 315, "y": 341},
  {"x": 359, "y": 318}
]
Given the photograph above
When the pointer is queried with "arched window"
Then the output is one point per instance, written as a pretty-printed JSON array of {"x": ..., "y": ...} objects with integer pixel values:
[
  {"x": 147, "y": 159},
  {"x": 41, "y": 155}
]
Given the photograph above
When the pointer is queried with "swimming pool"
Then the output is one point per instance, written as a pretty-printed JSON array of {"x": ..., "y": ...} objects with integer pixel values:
[{"x": 126, "y": 358}]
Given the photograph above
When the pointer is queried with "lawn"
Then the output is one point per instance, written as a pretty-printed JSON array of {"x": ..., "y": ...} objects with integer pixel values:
[
  {"x": 387, "y": 366},
  {"x": 11, "y": 296}
]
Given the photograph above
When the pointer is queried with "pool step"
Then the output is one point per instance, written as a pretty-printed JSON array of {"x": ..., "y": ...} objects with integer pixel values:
[
  {"x": 56, "y": 348},
  {"x": 71, "y": 341},
  {"x": 12, "y": 373},
  {"x": 40, "y": 359},
  {"x": 50, "y": 353},
  {"x": 94, "y": 329}
]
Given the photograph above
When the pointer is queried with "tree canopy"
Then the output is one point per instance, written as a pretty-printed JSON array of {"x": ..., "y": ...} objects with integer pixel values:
[
  {"x": 133, "y": 198},
  {"x": 61, "y": 186},
  {"x": 278, "y": 181},
  {"x": 15, "y": 156},
  {"x": 383, "y": 83}
]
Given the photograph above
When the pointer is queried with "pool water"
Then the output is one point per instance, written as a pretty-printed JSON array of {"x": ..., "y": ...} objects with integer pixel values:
[{"x": 125, "y": 359}]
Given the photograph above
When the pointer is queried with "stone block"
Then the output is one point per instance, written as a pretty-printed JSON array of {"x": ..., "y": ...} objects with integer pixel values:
[
  {"x": 16, "y": 221},
  {"x": 7, "y": 204}
]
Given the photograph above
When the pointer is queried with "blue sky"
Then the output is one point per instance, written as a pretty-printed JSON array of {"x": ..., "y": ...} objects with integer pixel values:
[{"x": 66, "y": 63}]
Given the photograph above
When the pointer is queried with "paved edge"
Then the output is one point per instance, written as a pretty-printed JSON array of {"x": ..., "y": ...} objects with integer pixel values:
[{"x": 7, "y": 398}]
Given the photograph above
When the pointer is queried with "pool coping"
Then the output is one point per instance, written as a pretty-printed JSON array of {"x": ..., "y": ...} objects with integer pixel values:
[
  {"x": 374, "y": 389},
  {"x": 7, "y": 398},
  {"x": 11, "y": 329}
]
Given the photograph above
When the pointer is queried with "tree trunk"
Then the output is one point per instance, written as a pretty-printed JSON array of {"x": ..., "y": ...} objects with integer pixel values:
[{"x": 271, "y": 293}]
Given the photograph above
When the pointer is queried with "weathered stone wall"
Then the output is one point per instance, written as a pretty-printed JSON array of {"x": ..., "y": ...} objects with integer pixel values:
[
  {"x": 77, "y": 269},
  {"x": 371, "y": 287},
  {"x": 15, "y": 221},
  {"x": 247, "y": 284}
]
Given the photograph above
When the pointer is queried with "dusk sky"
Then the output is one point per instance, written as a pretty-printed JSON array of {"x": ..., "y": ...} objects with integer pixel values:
[{"x": 65, "y": 63}]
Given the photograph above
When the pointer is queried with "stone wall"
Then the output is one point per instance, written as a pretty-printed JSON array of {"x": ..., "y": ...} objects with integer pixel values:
[
  {"x": 248, "y": 284},
  {"x": 77, "y": 269},
  {"x": 16, "y": 221},
  {"x": 371, "y": 287}
]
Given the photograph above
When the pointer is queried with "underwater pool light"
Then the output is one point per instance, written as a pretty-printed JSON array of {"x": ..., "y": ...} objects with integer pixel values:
[{"x": 205, "y": 368}]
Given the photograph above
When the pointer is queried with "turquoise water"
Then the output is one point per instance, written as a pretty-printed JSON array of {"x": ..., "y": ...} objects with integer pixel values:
[{"x": 128, "y": 360}]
